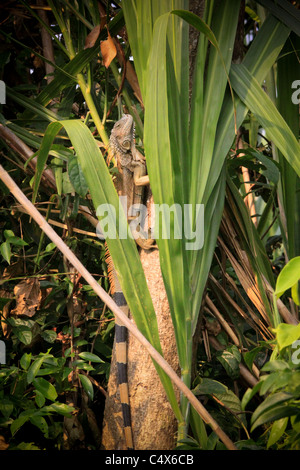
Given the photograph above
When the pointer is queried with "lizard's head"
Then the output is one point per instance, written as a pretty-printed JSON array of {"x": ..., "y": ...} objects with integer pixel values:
[{"x": 122, "y": 135}]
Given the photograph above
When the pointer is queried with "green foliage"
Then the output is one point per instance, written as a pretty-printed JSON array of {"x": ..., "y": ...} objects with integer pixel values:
[
  {"x": 279, "y": 387},
  {"x": 10, "y": 239},
  {"x": 28, "y": 396}
]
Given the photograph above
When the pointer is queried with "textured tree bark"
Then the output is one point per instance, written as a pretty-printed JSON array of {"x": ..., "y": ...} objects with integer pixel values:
[{"x": 153, "y": 421}]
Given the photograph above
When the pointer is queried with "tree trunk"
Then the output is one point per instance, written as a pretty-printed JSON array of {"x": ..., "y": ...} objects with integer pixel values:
[{"x": 153, "y": 421}]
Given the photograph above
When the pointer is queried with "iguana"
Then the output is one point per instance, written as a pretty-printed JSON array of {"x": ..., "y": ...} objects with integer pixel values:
[{"x": 128, "y": 182}]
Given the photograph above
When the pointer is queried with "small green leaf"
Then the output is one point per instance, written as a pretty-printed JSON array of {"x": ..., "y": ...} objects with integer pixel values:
[
  {"x": 250, "y": 356},
  {"x": 274, "y": 366},
  {"x": 87, "y": 386},
  {"x": 60, "y": 408},
  {"x": 249, "y": 394},
  {"x": 232, "y": 403},
  {"x": 286, "y": 334},
  {"x": 8, "y": 234},
  {"x": 34, "y": 368},
  {"x": 83, "y": 365},
  {"x": 25, "y": 361},
  {"x": 50, "y": 247},
  {"x": 295, "y": 422},
  {"x": 87, "y": 356},
  {"x": 77, "y": 177},
  {"x": 212, "y": 441},
  {"x": 41, "y": 423},
  {"x": 271, "y": 402},
  {"x": 6, "y": 251},
  {"x": 22, "y": 419},
  {"x": 230, "y": 359},
  {"x": 67, "y": 186},
  {"x": 24, "y": 334},
  {"x": 288, "y": 277},
  {"x": 268, "y": 383},
  {"x": 27, "y": 446},
  {"x": 277, "y": 431},
  {"x": 39, "y": 399},
  {"x": 273, "y": 414},
  {"x": 49, "y": 336},
  {"x": 6, "y": 407},
  {"x": 209, "y": 387},
  {"x": 16, "y": 241},
  {"x": 45, "y": 388}
]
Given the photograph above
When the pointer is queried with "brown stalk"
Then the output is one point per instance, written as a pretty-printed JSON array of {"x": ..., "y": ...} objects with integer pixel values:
[
  {"x": 48, "y": 51},
  {"x": 249, "y": 198},
  {"x": 227, "y": 328},
  {"x": 251, "y": 318}
]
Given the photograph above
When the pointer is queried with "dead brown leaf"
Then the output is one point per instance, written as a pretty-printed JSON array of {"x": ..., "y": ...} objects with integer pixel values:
[
  {"x": 28, "y": 297},
  {"x": 5, "y": 294},
  {"x": 13, "y": 270},
  {"x": 108, "y": 50},
  {"x": 92, "y": 37},
  {"x": 3, "y": 444}
]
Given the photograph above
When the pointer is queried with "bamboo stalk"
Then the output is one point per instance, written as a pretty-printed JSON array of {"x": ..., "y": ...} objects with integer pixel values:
[{"x": 207, "y": 418}]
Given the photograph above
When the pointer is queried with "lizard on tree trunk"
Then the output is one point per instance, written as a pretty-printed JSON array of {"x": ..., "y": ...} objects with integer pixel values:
[{"x": 129, "y": 181}]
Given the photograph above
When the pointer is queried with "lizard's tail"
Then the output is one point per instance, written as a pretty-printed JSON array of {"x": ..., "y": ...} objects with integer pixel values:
[{"x": 121, "y": 349}]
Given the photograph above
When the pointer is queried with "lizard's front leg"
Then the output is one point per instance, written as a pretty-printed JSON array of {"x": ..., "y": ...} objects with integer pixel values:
[{"x": 140, "y": 179}]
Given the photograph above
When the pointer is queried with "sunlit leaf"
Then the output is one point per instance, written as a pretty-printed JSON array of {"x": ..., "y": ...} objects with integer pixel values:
[
  {"x": 87, "y": 386},
  {"x": 6, "y": 251},
  {"x": 45, "y": 388},
  {"x": 277, "y": 431},
  {"x": 76, "y": 177},
  {"x": 288, "y": 276},
  {"x": 87, "y": 356},
  {"x": 287, "y": 334}
]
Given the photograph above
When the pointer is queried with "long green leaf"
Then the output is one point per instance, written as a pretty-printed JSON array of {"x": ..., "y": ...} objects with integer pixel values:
[
  {"x": 288, "y": 71},
  {"x": 166, "y": 190},
  {"x": 251, "y": 93},
  {"x": 285, "y": 12},
  {"x": 203, "y": 136},
  {"x": 259, "y": 59}
]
